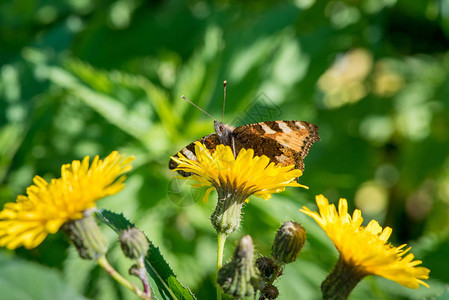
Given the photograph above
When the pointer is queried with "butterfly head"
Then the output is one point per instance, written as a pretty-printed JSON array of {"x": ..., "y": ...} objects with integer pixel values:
[{"x": 224, "y": 132}]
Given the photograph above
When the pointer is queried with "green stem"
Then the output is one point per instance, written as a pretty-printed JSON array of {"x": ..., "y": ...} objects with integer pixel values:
[
  {"x": 103, "y": 262},
  {"x": 220, "y": 249},
  {"x": 275, "y": 274},
  {"x": 143, "y": 276}
]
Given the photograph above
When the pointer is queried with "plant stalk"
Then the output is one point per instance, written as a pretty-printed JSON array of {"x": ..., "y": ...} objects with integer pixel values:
[
  {"x": 220, "y": 249},
  {"x": 103, "y": 262}
]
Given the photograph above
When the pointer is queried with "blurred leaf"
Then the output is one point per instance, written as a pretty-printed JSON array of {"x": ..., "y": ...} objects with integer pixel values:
[
  {"x": 162, "y": 275},
  {"x": 21, "y": 280},
  {"x": 443, "y": 296},
  {"x": 10, "y": 139},
  {"x": 111, "y": 109}
]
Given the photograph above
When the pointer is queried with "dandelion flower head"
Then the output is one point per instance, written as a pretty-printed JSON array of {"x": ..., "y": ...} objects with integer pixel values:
[
  {"x": 244, "y": 175},
  {"x": 48, "y": 205},
  {"x": 367, "y": 248}
]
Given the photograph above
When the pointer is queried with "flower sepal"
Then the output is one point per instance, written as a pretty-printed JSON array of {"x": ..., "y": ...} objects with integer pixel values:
[
  {"x": 341, "y": 281},
  {"x": 87, "y": 237},
  {"x": 228, "y": 212}
]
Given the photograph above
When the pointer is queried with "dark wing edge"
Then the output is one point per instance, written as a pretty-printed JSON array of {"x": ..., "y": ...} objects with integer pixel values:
[
  {"x": 311, "y": 138},
  {"x": 210, "y": 141}
]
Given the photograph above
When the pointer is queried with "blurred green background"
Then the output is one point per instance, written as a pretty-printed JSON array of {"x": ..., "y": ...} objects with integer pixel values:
[{"x": 81, "y": 77}]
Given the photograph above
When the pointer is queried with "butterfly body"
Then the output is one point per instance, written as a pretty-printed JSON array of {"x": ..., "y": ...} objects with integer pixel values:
[
  {"x": 283, "y": 142},
  {"x": 224, "y": 133}
]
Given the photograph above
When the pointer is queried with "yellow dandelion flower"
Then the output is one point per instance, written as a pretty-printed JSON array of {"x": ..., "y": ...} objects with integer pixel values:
[
  {"x": 244, "y": 175},
  {"x": 48, "y": 205},
  {"x": 365, "y": 250}
]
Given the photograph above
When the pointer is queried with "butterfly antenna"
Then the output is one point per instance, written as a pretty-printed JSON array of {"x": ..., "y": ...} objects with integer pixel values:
[
  {"x": 183, "y": 97},
  {"x": 224, "y": 99}
]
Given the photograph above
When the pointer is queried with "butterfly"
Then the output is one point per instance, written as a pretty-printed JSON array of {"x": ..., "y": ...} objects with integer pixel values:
[{"x": 283, "y": 142}]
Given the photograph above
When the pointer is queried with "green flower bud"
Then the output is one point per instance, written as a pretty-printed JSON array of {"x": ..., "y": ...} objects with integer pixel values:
[
  {"x": 267, "y": 267},
  {"x": 270, "y": 292},
  {"x": 240, "y": 278},
  {"x": 87, "y": 237},
  {"x": 134, "y": 243},
  {"x": 288, "y": 242}
]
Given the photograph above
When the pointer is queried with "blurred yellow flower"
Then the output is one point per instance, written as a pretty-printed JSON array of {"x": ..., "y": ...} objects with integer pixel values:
[
  {"x": 244, "y": 175},
  {"x": 366, "y": 249},
  {"x": 344, "y": 82},
  {"x": 48, "y": 205},
  {"x": 386, "y": 81}
]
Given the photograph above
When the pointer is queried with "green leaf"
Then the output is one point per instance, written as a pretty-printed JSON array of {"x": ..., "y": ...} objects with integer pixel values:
[
  {"x": 161, "y": 275},
  {"x": 22, "y": 280},
  {"x": 115, "y": 111},
  {"x": 11, "y": 137},
  {"x": 444, "y": 295}
]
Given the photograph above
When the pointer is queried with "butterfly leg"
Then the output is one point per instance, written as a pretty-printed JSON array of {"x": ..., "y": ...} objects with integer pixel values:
[
  {"x": 206, "y": 137},
  {"x": 233, "y": 146}
]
